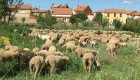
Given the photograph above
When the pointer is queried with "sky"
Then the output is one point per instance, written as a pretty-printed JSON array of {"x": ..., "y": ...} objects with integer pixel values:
[{"x": 94, "y": 4}]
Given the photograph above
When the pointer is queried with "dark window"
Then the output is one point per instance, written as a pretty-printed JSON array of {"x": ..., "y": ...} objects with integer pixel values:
[
  {"x": 120, "y": 14},
  {"x": 114, "y": 14},
  {"x": 107, "y": 14}
]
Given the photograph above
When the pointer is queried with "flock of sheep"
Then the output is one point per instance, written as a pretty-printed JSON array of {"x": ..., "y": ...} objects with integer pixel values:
[{"x": 74, "y": 41}]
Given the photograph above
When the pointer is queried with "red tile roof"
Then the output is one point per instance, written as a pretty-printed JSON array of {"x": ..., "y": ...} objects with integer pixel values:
[
  {"x": 137, "y": 13},
  {"x": 114, "y": 10},
  {"x": 37, "y": 11},
  {"x": 32, "y": 17},
  {"x": 99, "y": 11},
  {"x": 130, "y": 12},
  {"x": 62, "y": 11},
  {"x": 81, "y": 7},
  {"x": 23, "y": 6}
]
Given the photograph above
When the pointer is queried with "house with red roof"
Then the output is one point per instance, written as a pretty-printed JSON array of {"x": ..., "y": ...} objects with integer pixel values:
[
  {"x": 130, "y": 13},
  {"x": 62, "y": 14},
  {"x": 86, "y": 9}
]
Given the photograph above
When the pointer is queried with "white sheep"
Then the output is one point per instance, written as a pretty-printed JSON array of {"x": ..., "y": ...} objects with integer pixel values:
[
  {"x": 88, "y": 60},
  {"x": 94, "y": 43},
  {"x": 55, "y": 61}
]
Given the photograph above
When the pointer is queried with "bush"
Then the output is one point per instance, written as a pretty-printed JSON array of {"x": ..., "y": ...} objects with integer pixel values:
[
  {"x": 117, "y": 23},
  {"x": 132, "y": 25},
  {"x": 79, "y": 17}
]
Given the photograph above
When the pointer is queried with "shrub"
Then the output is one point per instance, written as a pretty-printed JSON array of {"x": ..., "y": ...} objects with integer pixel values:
[
  {"x": 79, "y": 17},
  {"x": 132, "y": 25},
  {"x": 117, "y": 23},
  {"x": 98, "y": 17},
  {"x": 23, "y": 19}
]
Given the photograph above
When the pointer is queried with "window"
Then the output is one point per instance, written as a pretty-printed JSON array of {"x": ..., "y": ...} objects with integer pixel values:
[
  {"x": 120, "y": 14},
  {"x": 107, "y": 14},
  {"x": 64, "y": 19},
  {"x": 114, "y": 14}
]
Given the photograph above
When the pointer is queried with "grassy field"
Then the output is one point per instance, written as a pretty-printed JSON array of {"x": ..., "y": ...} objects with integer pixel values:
[{"x": 125, "y": 66}]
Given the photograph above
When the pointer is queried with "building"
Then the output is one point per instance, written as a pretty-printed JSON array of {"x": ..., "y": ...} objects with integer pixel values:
[
  {"x": 37, "y": 11},
  {"x": 62, "y": 14},
  {"x": 130, "y": 13},
  {"x": 112, "y": 14},
  {"x": 136, "y": 15},
  {"x": 86, "y": 9}
]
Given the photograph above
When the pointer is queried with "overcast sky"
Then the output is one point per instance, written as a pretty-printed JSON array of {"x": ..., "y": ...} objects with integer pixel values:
[{"x": 94, "y": 4}]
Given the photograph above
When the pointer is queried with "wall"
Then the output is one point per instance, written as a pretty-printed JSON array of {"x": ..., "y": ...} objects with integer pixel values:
[{"x": 111, "y": 17}]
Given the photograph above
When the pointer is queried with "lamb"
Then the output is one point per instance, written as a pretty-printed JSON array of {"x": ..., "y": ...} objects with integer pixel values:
[
  {"x": 24, "y": 57},
  {"x": 61, "y": 42},
  {"x": 93, "y": 43},
  {"x": 89, "y": 60},
  {"x": 55, "y": 61},
  {"x": 138, "y": 50},
  {"x": 36, "y": 63}
]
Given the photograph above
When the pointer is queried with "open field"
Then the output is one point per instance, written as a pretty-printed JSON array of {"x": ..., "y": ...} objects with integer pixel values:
[{"x": 124, "y": 66}]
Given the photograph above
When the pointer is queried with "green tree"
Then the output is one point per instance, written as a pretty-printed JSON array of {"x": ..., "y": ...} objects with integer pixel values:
[
  {"x": 39, "y": 18},
  {"x": 98, "y": 17},
  {"x": 117, "y": 23},
  {"x": 79, "y": 17},
  {"x": 6, "y": 8},
  {"x": 12, "y": 18},
  {"x": 49, "y": 20},
  {"x": 104, "y": 22},
  {"x": 23, "y": 19}
]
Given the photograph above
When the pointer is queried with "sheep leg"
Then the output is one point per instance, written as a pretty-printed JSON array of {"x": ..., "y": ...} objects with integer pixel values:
[
  {"x": 85, "y": 67},
  {"x": 30, "y": 66},
  {"x": 51, "y": 72},
  {"x": 90, "y": 64},
  {"x": 36, "y": 72}
]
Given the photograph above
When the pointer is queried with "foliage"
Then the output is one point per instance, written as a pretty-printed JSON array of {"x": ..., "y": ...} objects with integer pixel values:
[
  {"x": 104, "y": 22},
  {"x": 79, "y": 17},
  {"x": 23, "y": 19},
  {"x": 117, "y": 23},
  {"x": 39, "y": 18},
  {"x": 132, "y": 25},
  {"x": 6, "y": 10},
  {"x": 12, "y": 18},
  {"x": 98, "y": 17},
  {"x": 49, "y": 20}
]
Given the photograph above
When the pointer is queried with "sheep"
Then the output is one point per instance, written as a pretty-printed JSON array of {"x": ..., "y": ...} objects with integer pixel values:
[
  {"x": 43, "y": 37},
  {"x": 8, "y": 55},
  {"x": 36, "y": 49},
  {"x": 82, "y": 43},
  {"x": 55, "y": 61},
  {"x": 47, "y": 44},
  {"x": 36, "y": 63},
  {"x": 93, "y": 43},
  {"x": 111, "y": 48},
  {"x": 61, "y": 42},
  {"x": 52, "y": 49},
  {"x": 89, "y": 60},
  {"x": 122, "y": 44},
  {"x": 70, "y": 46},
  {"x": 24, "y": 57},
  {"x": 12, "y": 48},
  {"x": 138, "y": 50},
  {"x": 81, "y": 51},
  {"x": 26, "y": 49}
]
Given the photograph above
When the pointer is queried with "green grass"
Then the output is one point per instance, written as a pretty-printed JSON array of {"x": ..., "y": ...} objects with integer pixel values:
[{"x": 125, "y": 66}]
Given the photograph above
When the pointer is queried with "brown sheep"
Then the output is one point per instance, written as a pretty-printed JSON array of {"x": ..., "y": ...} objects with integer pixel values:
[
  {"x": 89, "y": 60},
  {"x": 55, "y": 61},
  {"x": 24, "y": 57}
]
